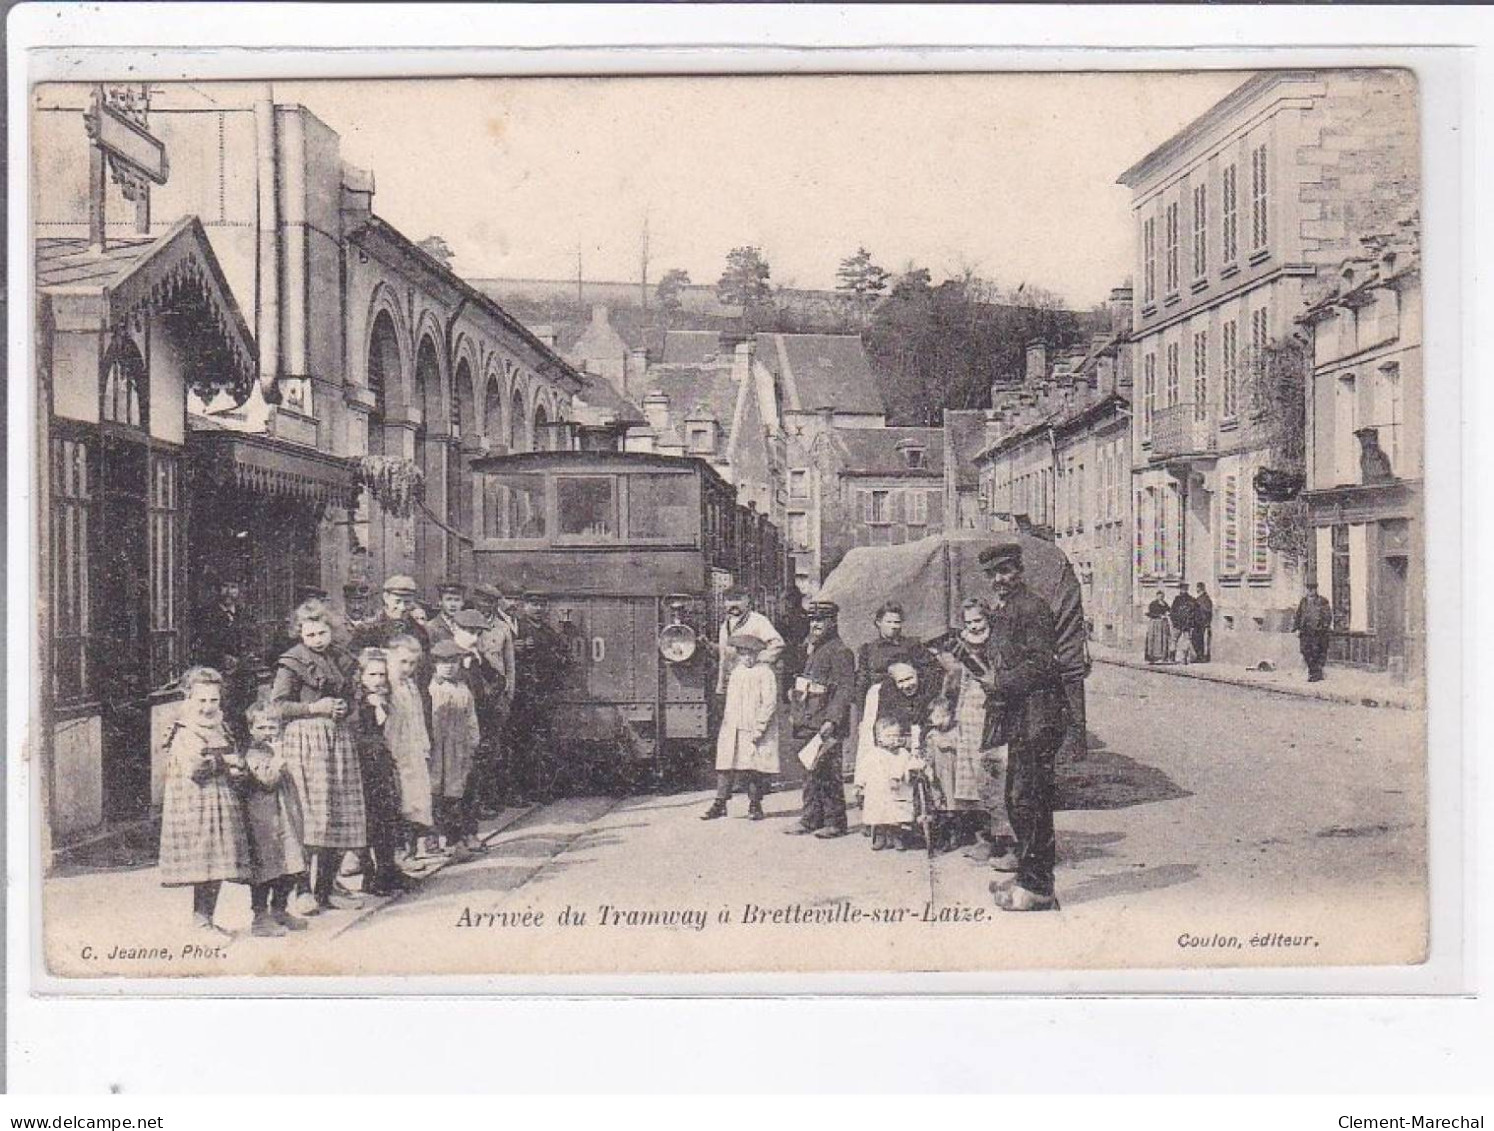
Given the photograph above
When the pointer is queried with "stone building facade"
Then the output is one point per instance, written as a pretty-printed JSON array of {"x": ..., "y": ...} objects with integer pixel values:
[{"x": 1235, "y": 217}]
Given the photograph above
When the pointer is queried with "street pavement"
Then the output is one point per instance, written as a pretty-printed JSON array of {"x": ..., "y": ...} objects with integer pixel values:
[{"x": 1202, "y": 811}]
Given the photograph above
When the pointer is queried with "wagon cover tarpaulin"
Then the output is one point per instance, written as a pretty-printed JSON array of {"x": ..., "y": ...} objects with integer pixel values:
[{"x": 930, "y": 578}]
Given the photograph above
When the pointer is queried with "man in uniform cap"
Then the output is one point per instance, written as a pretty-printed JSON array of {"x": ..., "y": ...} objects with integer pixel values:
[
  {"x": 1312, "y": 624},
  {"x": 393, "y": 619},
  {"x": 1025, "y": 710},
  {"x": 452, "y": 599},
  {"x": 742, "y": 620},
  {"x": 822, "y": 700},
  {"x": 541, "y": 657},
  {"x": 225, "y": 640}
]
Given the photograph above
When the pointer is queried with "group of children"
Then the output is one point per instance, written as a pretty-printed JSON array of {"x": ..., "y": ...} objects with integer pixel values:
[
  {"x": 904, "y": 741},
  {"x": 349, "y": 755}
]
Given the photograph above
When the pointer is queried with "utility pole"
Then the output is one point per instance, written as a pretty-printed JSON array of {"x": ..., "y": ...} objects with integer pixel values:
[
  {"x": 580, "y": 299},
  {"x": 643, "y": 285}
]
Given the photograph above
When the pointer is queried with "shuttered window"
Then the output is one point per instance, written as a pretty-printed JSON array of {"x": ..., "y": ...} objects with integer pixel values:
[
  {"x": 1200, "y": 231},
  {"x": 165, "y": 554},
  {"x": 1229, "y": 550},
  {"x": 72, "y": 508},
  {"x": 1229, "y": 249},
  {"x": 1258, "y": 198}
]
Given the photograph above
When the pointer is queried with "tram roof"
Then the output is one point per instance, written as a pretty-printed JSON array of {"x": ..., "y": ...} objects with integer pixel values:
[{"x": 595, "y": 461}]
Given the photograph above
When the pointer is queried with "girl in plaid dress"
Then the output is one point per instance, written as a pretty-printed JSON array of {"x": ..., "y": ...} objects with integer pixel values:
[
  {"x": 314, "y": 682},
  {"x": 203, "y": 839}
]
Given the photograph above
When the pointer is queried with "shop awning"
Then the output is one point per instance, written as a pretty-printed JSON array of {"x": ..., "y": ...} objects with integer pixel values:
[{"x": 266, "y": 466}]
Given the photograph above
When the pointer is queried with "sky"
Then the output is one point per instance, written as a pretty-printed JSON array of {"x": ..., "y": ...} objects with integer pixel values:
[{"x": 1012, "y": 175}]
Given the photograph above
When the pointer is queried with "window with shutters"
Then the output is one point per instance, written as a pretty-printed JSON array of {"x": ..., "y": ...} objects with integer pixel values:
[
  {"x": 1229, "y": 202},
  {"x": 1172, "y": 247},
  {"x": 73, "y": 497},
  {"x": 878, "y": 507},
  {"x": 1260, "y": 548},
  {"x": 1201, "y": 376},
  {"x": 165, "y": 553},
  {"x": 1149, "y": 260},
  {"x": 1139, "y": 527},
  {"x": 1161, "y": 557},
  {"x": 1148, "y": 395},
  {"x": 918, "y": 508},
  {"x": 1229, "y": 525},
  {"x": 1230, "y": 401},
  {"x": 1174, "y": 384},
  {"x": 1200, "y": 231},
  {"x": 1260, "y": 339},
  {"x": 1258, "y": 198}
]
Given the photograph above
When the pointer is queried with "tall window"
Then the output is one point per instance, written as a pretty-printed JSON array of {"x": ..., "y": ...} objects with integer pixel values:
[
  {"x": 1391, "y": 408},
  {"x": 1230, "y": 211},
  {"x": 1260, "y": 338},
  {"x": 1148, "y": 394},
  {"x": 1230, "y": 405},
  {"x": 1229, "y": 527},
  {"x": 165, "y": 530},
  {"x": 1200, "y": 231},
  {"x": 1339, "y": 576},
  {"x": 1149, "y": 259},
  {"x": 72, "y": 501},
  {"x": 879, "y": 507},
  {"x": 1174, "y": 391},
  {"x": 1161, "y": 516},
  {"x": 799, "y": 532},
  {"x": 1142, "y": 514},
  {"x": 799, "y": 483},
  {"x": 918, "y": 508},
  {"x": 1172, "y": 247},
  {"x": 1201, "y": 375},
  {"x": 1078, "y": 511},
  {"x": 1260, "y": 549},
  {"x": 1258, "y": 230}
]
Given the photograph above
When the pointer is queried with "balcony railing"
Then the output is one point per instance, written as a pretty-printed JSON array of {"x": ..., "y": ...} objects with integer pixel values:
[{"x": 1176, "y": 431}]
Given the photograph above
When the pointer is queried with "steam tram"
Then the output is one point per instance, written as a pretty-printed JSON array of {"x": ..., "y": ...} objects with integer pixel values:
[{"x": 634, "y": 553}]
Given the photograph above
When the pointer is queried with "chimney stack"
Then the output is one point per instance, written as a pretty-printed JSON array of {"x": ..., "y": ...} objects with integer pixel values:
[
  {"x": 1037, "y": 361},
  {"x": 656, "y": 411},
  {"x": 1120, "y": 305}
]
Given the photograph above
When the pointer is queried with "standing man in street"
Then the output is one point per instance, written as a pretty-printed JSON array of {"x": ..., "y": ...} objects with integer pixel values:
[
  {"x": 393, "y": 619},
  {"x": 1203, "y": 624},
  {"x": 742, "y": 620},
  {"x": 541, "y": 657},
  {"x": 1313, "y": 622},
  {"x": 1184, "y": 615},
  {"x": 821, "y": 705},
  {"x": 225, "y": 641},
  {"x": 1025, "y": 711}
]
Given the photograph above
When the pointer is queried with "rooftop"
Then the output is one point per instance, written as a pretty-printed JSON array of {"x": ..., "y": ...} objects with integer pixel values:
[
  {"x": 819, "y": 371},
  {"x": 882, "y": 451}
]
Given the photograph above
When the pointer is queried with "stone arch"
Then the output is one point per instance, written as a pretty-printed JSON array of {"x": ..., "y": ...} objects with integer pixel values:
[
  {"x": 395, "y": 366},
  {"x": 518, "y": 419},
  {"x": 466, "y": 393},
  {"x": 493, "y": 407},
  {"x": 431, "y": 455},
  {"x": 541, "y": 419},
  {"x": 384, "y": 378}
]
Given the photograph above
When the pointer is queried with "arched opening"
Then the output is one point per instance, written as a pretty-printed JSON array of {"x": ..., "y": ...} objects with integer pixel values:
[
  {"x": 541, "y": 433},
  {"x": 126, "y": 390},
  {"x": 492, "y": 428},
  {"x": 463, "y": 428},
  {"x": 516, "y": 420},
  {"x": 430, "y": 542},
  {"x": 383, "y": 371}
]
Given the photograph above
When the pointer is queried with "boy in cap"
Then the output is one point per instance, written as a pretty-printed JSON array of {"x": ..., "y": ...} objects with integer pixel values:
[
  {"x": 1024, "y": 710},
  {"x": 451, "y": 597},
  {"x": 747, "y": 745},
  {"x": 393, "y": 619},
  {"x": 821, "y": 705}
]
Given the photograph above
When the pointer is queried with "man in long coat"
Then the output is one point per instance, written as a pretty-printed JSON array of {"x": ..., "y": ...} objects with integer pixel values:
[
  {"x": 1203, "y": 624},
  {"x": 822, "y": 699},
  {"x": 225, "y": 641},
  {"x": 542, "y": 656},
  {"x": 1313, "y": 622},
  {"x": 1025, "y": 710}
]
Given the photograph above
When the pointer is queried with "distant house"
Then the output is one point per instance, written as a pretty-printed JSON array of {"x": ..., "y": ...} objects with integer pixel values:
[
  {"x": 863, "y": 487},
  {"x": 722, "y": 410},
  {"x": 1364, "y": 454},
  {"x": 813, "y": 372}
]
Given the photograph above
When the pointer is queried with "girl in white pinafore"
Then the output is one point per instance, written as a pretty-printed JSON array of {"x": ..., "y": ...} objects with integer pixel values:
[{"x": 747, "y": 744}]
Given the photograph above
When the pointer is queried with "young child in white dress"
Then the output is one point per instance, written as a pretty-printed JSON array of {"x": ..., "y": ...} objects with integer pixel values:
[{"x": 887, "y": 784}]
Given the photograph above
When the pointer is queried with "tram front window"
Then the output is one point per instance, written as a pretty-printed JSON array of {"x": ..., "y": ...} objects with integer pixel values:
[
  {"x": 661, "y": 508},
  {"x": 514, "y": 506},
  {"x": 586, "y": 506}
]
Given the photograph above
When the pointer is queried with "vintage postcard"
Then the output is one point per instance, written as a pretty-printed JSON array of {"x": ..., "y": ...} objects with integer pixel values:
[{"x": 818, "y": 524}]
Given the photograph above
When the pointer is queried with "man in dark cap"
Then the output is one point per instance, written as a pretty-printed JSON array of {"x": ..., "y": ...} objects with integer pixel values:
[
  {"x": 451, "y": 597},
  {"x": 821, "y": 700},
  {"x": 394, "y": 619},
  {"x": 1025, "y": 711},
  {"x": 225, "y": 640},
  {"x": 1312, "y": 624},
  {"x": 541, "y": 658}
]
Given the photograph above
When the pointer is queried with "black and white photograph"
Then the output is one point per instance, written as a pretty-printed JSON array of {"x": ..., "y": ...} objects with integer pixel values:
[{"x": 729, "y": 524}]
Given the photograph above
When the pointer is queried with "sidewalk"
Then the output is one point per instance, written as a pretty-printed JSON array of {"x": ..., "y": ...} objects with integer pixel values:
[
  {"x": 1339, "y": 685},
  {"x": 101, "y": 901}
]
